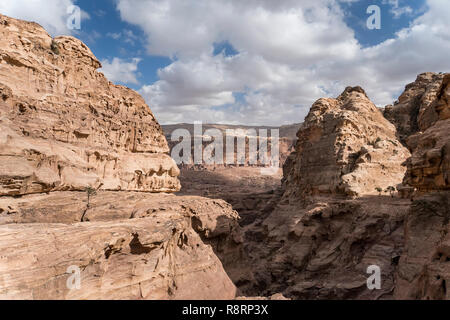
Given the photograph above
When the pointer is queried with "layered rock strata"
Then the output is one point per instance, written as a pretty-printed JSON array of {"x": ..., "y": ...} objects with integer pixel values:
[
  {"x": 135, "y": 246},
  {"x": 64, "y": 126},
  {"x": 70, "y": 140},
  {"x": 429, "y": 165},
  {"x": 345, "y": 147},
  {"x": 411, "y": 113},
  {"x": 424, "y": 269}
]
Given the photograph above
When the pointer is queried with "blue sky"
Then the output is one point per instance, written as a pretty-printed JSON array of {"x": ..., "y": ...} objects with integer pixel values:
[
  {"x": 355, "y": 17},
  {"x": 108, "y": 37},
  {"x": 252, "y": 62}
]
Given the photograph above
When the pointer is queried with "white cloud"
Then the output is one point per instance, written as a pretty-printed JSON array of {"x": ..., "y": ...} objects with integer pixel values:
[
  {"x": 126, "y": 35},
  {"x": 278, "y": 45},
  {"x": 398, "y": 10},
  {"x": 290, "y": 54},
  {"x": 51, "y": 14},
  {"x": 121, "y": 71}
]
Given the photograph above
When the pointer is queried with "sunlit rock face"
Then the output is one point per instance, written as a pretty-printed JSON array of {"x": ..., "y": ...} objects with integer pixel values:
[
  {"x": 84, "y": 185},
  {"x": 345, "y": 147},
  {"x": 64, "y": 126}
]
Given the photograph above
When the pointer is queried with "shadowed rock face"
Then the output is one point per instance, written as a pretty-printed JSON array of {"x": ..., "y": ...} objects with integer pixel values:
[
  {"x": 429, "y": 166},
  {"x": 411, "y": 112},
  {"x": 317, "y": 243},
  {"x": 424, "y": 269},
  {"x": 330, "y": 224},
  {"x": 64, "y": 126},
  {"x": 345, "y": 147}
]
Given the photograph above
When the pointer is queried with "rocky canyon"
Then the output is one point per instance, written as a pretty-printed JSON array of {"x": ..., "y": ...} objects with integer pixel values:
[{"x": 88, "y": 183}]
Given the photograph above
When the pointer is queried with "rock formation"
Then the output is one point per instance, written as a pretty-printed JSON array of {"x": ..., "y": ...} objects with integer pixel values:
[
  {"x": 70, "y": 140},
  {"x": 429, "y": 166},
  {"x": 424, "y": 269},
  {"x": 330, "y": 225},
  {"x": 345, "y": 147},
  {"x": 136, "y": 246},
  {"x": 65, "y": 126},
  {"x": 287, "y": 139},
  {"x": 411, "y": 112}
]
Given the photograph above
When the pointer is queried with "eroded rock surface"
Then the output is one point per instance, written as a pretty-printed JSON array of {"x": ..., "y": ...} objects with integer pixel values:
[
  {"x": 411, "y": 112},
  {"x": 66, "y": 132},
  {"x": 64, "y": 126},
  {"x": 429, "y": 165},
  {"x": 322, "y": 250},
  {"x": 328, "y": 227},
  {"x": 424, "y": 270},
  {"x": 345, "y": 147},
  {"x": 151, "y": 247}
]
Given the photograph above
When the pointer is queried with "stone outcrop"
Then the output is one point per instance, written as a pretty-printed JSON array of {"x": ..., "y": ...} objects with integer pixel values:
[
  {"x": 412, "y": 113},
  {"x": 429, "y": 165},
  {"x": 85, "y": 183},
  {"x": 345, "y": 147},
  {"x": 322, "y": 250},
  {"x": 424, "y": 269},
  {"x": 70, "y": 141},
  {"x": 64, "y": 126},
  {"x": 136, "y": 246},
  {"x": 327, "y": 229},
  {"x": 330, "y": 224}
]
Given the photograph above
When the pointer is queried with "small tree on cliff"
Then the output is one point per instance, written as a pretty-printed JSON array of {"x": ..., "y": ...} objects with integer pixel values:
[
  {"x": 391, "y": 190},
  {"x": 54, "y": 47},
  {"x": 379, "y": 190},
  {"x": 90, "y": 193}
]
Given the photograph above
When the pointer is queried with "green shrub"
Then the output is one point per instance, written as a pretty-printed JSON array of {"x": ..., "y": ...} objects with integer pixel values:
[{"x": 54, "y": 47}]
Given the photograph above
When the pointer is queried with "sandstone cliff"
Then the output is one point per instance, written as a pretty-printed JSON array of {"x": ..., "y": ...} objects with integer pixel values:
[
  {"x": 64, "y": 126},
  {"x": 424, "y": 269},
  {"x": 411, "y": 112},
  {"x": 429, "y": 166},
  {"x": 69, "y": 141},
  {"x": 136, "y": 246},
  {"x": 345, "y": 147},
  {"x": 329, "y": 224}
]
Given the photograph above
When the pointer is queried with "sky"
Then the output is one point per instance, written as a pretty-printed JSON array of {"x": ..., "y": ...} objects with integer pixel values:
[{"x": 253, "y": 62}]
